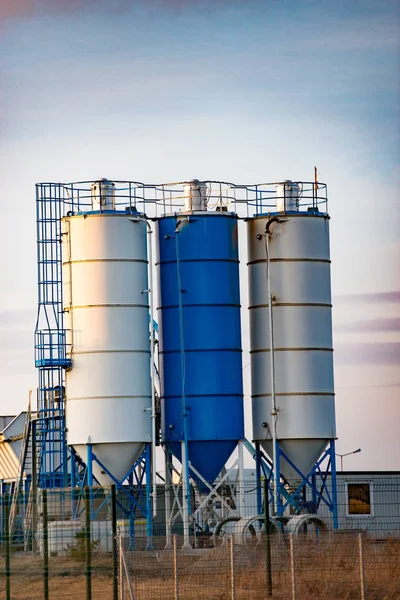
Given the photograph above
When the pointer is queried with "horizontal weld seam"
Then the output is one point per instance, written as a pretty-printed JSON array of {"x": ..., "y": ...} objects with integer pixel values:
[
  {"x": 106, "y": 260},
  {"x": 294, "y": 394},
  {"x": 201, "y": 350},
  {"x": 69, "y": 398},
  {"x": 197, "y": 260},
  {"x": 294, "y": 349},
  {"x": 74, "y": 352},
  {"x": 73, "y": 307},
  {"x": 321, "y": 304},
  {"x": 164, "y": 397},
  {"x": 199, "y": 306},
  {"x": 277, "y": 260}
]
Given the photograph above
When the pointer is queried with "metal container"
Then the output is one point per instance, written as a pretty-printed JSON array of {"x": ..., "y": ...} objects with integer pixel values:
[
  {"x": 200, "y": 337},
  {"x": 105, "y": 293},
  {"x": 287, "y": 196},
  {"x": 62, "y": 537},
  {"x": 302, "y": 334},
  {"x": 103, "y": 195},
  {"x": 195, "y": 195}
]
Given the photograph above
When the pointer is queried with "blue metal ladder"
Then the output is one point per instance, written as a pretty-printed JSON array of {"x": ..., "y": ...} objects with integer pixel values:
[{"x": 50, "y": 340}]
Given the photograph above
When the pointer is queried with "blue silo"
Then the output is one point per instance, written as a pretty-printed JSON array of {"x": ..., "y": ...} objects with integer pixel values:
[{"x": 200, "y": 337}]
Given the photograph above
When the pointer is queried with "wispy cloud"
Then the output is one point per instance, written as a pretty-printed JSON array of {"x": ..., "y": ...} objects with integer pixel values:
[
  {"x": 369, "y": 386},
  {"x": 384, "y": 353},
  {"x": 356, "y": 33},
  {"x": 179, "y": 4},
  {"x": 370, "y": 326},
  {"x": 24, "y": 9},
  {"x": 370, "y": 298}
]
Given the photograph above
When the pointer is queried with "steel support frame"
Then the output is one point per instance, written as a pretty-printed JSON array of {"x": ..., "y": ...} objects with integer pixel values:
[
  {"x": 139, "y": 475},
  {"x": 176, "y": 507},
  {"x": 316, "y": 481}
]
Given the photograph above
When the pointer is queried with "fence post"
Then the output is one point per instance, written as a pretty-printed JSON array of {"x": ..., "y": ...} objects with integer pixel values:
[
  {"x": 114, "y": 541},
  {"x": 176, "y": 581},
  {"x": 267, "y": 540},
  {"x": 361, "y": 561},
  {"x": 45, "y": 546},
  {"x": 121, "y": 569},
  {"x": 6, "y": 516},
  {"x": 232, "y": 565},
  {"x": 292, "y": 566},
  {"x": 34, "y": 488},
  {"x": 88, "y": 570}
]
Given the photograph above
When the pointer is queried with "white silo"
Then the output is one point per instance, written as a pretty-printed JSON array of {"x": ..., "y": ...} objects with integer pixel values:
[
  {"x": 299, "y": 263},
  {"x": 105, "y": 278}
]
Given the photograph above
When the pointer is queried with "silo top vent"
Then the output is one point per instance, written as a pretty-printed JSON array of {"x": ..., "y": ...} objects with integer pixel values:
[
  {"x": 287, "y": 196},
  {"x": 103, "y": 195},
  {"x": 195, "y": 195}
]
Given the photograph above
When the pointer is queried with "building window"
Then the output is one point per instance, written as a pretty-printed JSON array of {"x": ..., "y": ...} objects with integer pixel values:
[{"x": 359, "y": 499}]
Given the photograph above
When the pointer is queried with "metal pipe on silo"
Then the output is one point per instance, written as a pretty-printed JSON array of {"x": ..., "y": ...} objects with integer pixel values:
[
  {"x": 276, "y": 473},
  {"x": 152, "y": 367},
  {"x": 272, "y": 368},
  {"x": 153, "y": 396},
  {"x": 184, "y": 443}
]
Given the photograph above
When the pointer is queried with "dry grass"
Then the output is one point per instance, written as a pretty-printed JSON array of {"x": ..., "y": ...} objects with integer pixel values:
[{"x": 327, "y": 568}]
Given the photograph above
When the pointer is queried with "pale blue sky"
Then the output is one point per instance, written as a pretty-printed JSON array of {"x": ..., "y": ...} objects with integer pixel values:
[{"x": 241, "y": 91}]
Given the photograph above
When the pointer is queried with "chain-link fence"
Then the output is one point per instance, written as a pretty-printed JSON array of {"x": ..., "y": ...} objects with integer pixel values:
[
  {"x": 96, "y": 544},
  {"x": 333, "y": 566}
]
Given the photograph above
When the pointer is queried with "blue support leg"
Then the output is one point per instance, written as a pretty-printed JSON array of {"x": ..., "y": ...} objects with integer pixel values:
[
  {"x": 89, "y": 465},
  {"x": 89, "y": 475},
  {"x": 65, "y": 461},
  {"x": 149, "y": 504},
  {"x": 278, "y": 467},
  {"x": 334, "y": 485},
  {"x": 314, "y": 491},
  {"x": 73, "y": 486}
]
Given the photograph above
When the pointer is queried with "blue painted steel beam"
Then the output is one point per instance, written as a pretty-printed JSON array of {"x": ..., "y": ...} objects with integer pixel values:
[
  {"x": 334, "y": 484},
  {"x": 316, "y": 481},
  {"x": 142, "y": 503}
]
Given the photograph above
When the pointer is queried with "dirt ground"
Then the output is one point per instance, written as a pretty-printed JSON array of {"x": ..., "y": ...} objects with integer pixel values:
[{"x": 325, "y": 570}]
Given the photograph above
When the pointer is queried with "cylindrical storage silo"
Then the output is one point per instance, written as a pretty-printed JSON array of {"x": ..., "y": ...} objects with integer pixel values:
[
  {"x": 302, "y": 335},
  {"x": 108, "y": 401},
  {"x": 200, "y": 337}
]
